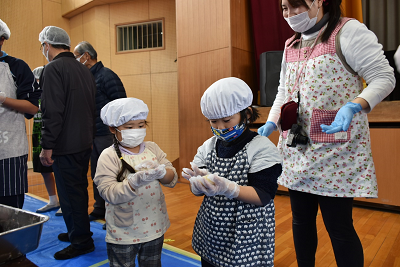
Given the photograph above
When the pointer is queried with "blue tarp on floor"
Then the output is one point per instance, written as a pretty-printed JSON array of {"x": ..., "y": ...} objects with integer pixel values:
[{"x": 49, "y": 244}]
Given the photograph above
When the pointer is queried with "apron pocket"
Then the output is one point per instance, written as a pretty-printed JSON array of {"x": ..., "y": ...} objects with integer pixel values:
[
  {"x": 123, "y": 216},
  {"x": 323, "y": 116}
]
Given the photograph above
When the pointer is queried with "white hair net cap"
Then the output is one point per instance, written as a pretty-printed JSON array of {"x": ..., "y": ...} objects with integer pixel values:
[
  {"x": 122, "y": 110},
  {"x": 37, "y": 72},
  {"x": 55, "y": 36},
  {"x": 225, "y": 98},
  {"x": 4, "y": 30}
]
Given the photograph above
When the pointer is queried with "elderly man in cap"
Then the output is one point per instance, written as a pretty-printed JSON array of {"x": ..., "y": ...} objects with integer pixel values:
[
  {"x": 68, "y": 117},
  {"x": 109, "y": 87},
  {"x": 19, "y": 95}
]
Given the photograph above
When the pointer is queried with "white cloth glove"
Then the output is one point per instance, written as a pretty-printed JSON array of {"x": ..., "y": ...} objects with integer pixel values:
[
  {"x": 195, "y": 171},
  {"x": 142, "y": 178},
  {"x": 217, "y": 185},
  {"x": 2, "y": 97},
  {"x": 139, "y": 179},
  {"x": 197, "y": 185},
  {"x": 147, "y": 164},
  {"x": 159, "y": 172},
  {"x": 212, "y": 185}
]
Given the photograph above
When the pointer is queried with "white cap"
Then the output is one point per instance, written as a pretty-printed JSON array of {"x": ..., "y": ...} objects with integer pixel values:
[
  {"x": 122, "y": 110},
  {"x": 55, "y": 36},
  {"x": 4, "y": 30},
  {"x": 225, "y": 98},
  {"x": 37, "y": 72}
]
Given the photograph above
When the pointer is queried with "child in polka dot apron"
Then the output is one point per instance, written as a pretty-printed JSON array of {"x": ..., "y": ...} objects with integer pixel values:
[
  {"x": 236, "y": 171},
  {"x": 129, "y": 175}
]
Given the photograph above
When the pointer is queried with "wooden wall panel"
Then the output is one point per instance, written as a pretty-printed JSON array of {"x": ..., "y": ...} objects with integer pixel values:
[
  {"x": 202, "y": 25},
  {"x": 385, "y": 144},
  {"x": 164, "y": 60},
  {"x": 164, "y": 107},
  {"x": 67, "y": 6},
  {"x": 93, "y": 26},
  {"x": 24, "y": 41},
  {"x": 78, "y": 3},
  {"x": 212, "y": 44},
  {"x": 243, "y": 65},
  {"x": 196, "y": 74},
  {"x": 89, "y": 27},
  {"x": 76, "y": 30},
  {"x": 52, "y": 16},
  {"x": 241, "y": 25},
  {"x": 102, "y": 38},
  {"x": 139, "y": 86},
  {"x": 128, "y": 63},
  {"x": 243, "y": 68}
]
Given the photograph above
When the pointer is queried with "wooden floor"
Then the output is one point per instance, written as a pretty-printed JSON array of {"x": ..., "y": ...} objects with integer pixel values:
[{"x": 378, "y": 230}]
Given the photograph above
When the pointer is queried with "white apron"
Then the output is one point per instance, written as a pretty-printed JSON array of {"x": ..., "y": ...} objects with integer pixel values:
[{"x": 13, "y": 140}]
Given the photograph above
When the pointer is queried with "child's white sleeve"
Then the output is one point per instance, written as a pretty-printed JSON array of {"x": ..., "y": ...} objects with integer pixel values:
[
  {"x": 202, "y": 152},
  {"x": 110, "y": 189},
  {"x": 262, "y": 154}
]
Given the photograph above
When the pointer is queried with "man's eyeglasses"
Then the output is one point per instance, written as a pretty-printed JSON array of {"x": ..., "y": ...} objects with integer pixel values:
[{"x": 41, "y": 46}]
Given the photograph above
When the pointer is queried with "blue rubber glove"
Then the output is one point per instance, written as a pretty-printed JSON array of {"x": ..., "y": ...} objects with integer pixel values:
[
  {"x": 267, "y": 128},
  {"x": 343, "y": 118}
]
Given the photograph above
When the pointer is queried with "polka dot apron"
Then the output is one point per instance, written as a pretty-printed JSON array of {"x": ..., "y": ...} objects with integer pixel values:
[{"x": 231, "y": 232}]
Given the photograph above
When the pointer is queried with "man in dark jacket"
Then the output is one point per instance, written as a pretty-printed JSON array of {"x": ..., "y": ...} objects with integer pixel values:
[
  {"x": 109, "y": 87},
  {"x": 68, "y": 123}
]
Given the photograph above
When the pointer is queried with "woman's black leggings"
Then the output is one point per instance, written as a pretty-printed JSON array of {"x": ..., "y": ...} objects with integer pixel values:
[{"x": 337, "y": 213}]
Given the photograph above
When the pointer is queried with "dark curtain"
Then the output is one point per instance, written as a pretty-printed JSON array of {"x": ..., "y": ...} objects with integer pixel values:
[
  {"x": 382, "y": 17},
  {"x": 270, "y": 30}
]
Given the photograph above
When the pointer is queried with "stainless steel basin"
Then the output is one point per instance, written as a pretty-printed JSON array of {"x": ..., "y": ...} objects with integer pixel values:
[{"x": 20, "y": 232}]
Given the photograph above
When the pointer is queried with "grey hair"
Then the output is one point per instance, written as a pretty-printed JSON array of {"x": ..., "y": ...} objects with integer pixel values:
[{"x": 83, "y": 47}]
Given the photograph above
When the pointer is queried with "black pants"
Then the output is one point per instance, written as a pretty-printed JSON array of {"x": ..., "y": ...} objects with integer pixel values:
[
  {"x": 70, "y": 172},
  {"x": 16, "y": 201},
  {"x": 99, "y": 144},
  {"x": 337, "y": 214}
]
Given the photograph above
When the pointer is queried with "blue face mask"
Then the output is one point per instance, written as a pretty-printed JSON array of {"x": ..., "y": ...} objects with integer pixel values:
[{"x": 229, "y": 134}]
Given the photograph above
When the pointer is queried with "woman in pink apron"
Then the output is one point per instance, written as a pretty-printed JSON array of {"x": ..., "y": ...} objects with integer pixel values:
[{"x": 324, "y": 141}]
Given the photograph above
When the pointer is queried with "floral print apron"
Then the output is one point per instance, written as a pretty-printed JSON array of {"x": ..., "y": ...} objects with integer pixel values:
[{"x": 336, "y": 165}]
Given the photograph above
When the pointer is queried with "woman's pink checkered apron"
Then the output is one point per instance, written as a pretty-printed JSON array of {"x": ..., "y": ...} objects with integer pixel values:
[{"x": 336, "y": 165}]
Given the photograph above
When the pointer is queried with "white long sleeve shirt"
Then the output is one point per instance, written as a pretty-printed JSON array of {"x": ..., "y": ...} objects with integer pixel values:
[{"x": 364, "y": 55}]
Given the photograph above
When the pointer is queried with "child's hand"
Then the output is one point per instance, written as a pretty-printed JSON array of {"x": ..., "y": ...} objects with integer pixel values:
[
  {"x": 216, "y": 185},
  {"x": 159, "y": 172},
  {"x": 147, "y": 165},
  {"x": 142, "y": 178},
  {"x": 197, "y": 185},
  {"x": 139, "y": 179},
  {"x": 196, "y": 171}
]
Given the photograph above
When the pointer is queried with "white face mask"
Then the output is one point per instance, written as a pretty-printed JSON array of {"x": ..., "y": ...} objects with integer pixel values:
[
  {"x": 79, "y": 59},
  {"x": 132, "y": 137},
  {"x": 47, "y": 53},
  {"x": 302, "y": 22}
]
